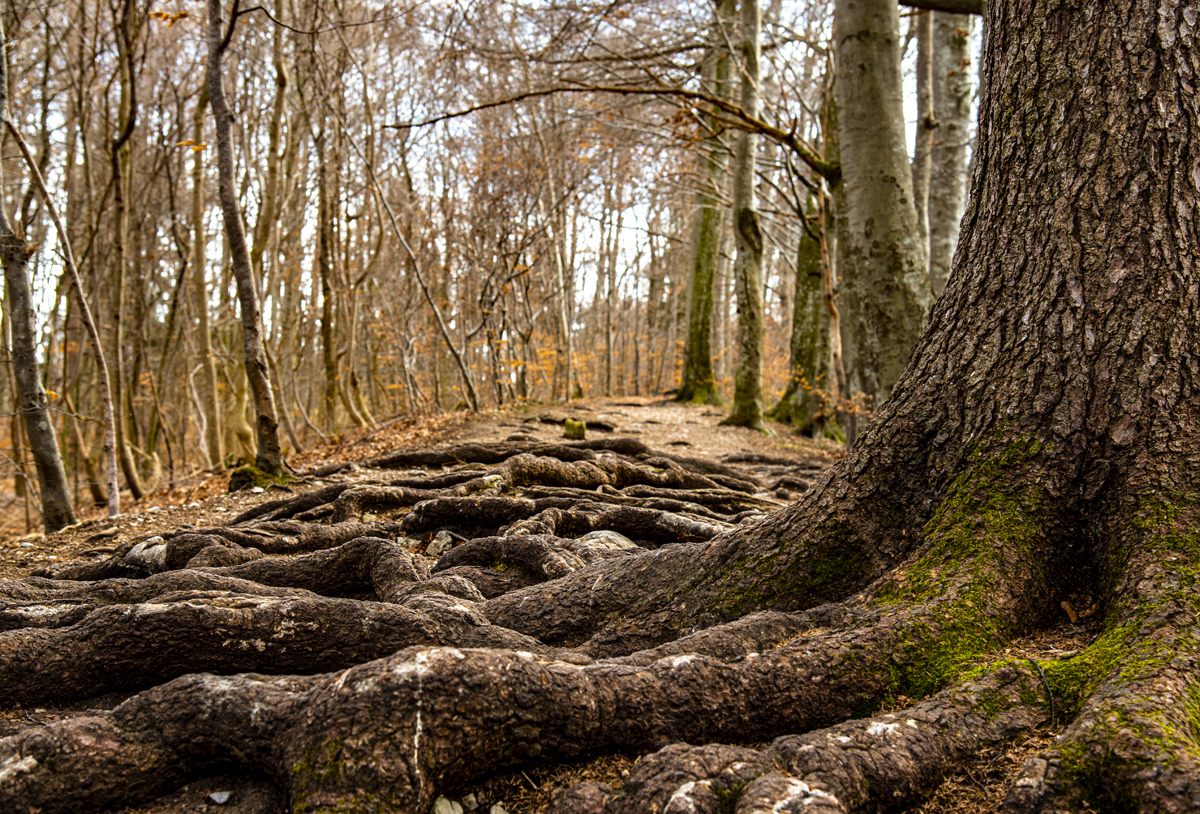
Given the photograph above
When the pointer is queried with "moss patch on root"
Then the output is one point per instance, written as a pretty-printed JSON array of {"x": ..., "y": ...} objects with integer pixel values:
[
  {"x": 248, "y": 477},
  {"x": 989, "y": 512}
]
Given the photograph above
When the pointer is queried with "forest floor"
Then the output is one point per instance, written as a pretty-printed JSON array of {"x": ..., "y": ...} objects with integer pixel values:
[{"x": 694, "y": 431}]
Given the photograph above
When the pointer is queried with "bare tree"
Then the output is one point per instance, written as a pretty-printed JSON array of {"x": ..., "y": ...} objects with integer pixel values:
[
  {"x": 269, "y": 456},
  {"x": 747, "y": 396},
  {"x": 32, "y": 403}
]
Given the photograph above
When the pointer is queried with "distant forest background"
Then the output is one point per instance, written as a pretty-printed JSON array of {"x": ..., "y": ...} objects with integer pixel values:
[{"x": 447, "y": 206}]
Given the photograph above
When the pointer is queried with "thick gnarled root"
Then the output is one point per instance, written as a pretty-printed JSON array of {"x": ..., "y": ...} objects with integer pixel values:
[
  {"x": 181, "y": 549},
  {"x": 405, "y": 726},
  {"x": 1135, "y": 744},
  {"x": 884, "y": 762},
  {"x": 136, "y": 646}
]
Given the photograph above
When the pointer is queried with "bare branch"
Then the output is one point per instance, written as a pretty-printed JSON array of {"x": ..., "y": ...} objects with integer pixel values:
[{"x": 736, "y": 117}]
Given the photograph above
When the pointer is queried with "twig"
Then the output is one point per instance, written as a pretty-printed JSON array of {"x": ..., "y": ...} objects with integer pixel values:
[{"x": 1049, "y": 694}]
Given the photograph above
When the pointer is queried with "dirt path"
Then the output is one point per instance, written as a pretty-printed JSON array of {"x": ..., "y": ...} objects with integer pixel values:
[{"x": 683, "y": 429}]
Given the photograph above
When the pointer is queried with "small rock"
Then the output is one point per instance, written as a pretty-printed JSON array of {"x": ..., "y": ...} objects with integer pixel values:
[
  {"x": 443, "y": 806},
  {"x": 26, "y": 545},
  {"x": 442, "y": 542},
  {"x": 498, "y": 808},
  {"x": 608, "y": 539},
  {"x": 219, "y": 797},
  {"x": 195, "y": 504},
  {"x": 257, "y": 490},
  {"x": 470, "y": 803},
  {"x": 220, "y": 510},
  {"x": 574, "y": 430}
]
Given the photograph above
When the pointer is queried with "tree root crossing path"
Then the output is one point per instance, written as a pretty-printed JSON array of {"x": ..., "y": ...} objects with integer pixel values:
[{"x": 412, "y": 623}]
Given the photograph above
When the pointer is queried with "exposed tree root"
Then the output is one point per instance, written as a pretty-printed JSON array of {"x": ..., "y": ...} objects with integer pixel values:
[
  {"x": 444, "y": 716},
  {"x": 133, "y": 646},
  {"x": 610, "y": 474},
  {"x": 563, "y": 517},
  {"x": 497, "y": 453},
  {"x": 884, "y": 762},
  {"x": 597, "y": 645},
  {"x": 512, "y": 705},
  {"x": 178, "y": 549},
  {"x": 1135, "y": 744}
]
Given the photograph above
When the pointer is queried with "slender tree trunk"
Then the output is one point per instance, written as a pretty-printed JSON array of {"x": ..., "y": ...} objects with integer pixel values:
[
  {"x": 886, "y": 274},
  {"x": 610, "y": 294},
  {"x": 564, "y": 338},
  {"x": 210, "y": 402},
  {"x": 269, "y": 457},
  {"x": 122, "y": 170},
  {"x": 699, "y": 380},
  {"x": 925, "y": 128},
  {"x": 268, "y": 212},
  {"x": 808, "y": 399},
  {"x": 325, "y": 271},
  {"x": 747, "y": 395},
  {"x": 85, "y": 312},
  {"x": 952, "y": 109},
  {"x": 31, "y": 401},
  {"x": 548, "y": 212}
]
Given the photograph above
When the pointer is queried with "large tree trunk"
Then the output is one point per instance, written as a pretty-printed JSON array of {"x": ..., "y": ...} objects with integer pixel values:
[
  {"x": 886, "y": 276},
  {"x": 1041, "y": 439},
  {"x": 747, "y": 390},
  {"x": 269, "y": 457}
]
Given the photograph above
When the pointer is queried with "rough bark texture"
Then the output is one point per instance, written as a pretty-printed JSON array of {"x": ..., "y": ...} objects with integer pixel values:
[{"x": 1042, "y": 438}]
